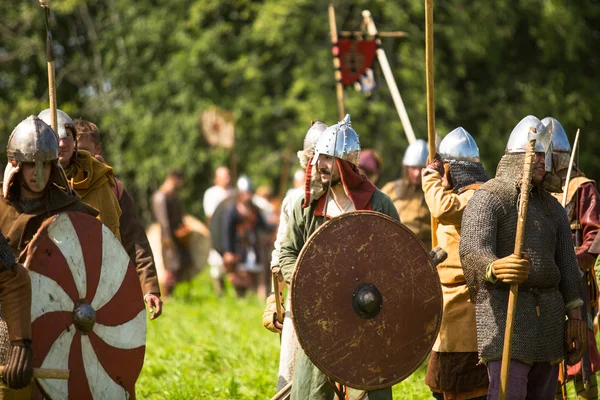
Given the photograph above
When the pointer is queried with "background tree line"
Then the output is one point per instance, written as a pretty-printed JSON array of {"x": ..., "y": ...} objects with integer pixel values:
[{"x": 144, "y": 70}]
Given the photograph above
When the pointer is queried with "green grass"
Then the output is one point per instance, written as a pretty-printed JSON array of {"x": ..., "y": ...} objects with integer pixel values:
[{"x": 203, "y": 347}]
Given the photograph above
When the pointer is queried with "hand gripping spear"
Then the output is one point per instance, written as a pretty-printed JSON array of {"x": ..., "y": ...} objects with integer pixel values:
[
  {"x": 50, "y": 58},
  {"x": 545, "y": 139}
]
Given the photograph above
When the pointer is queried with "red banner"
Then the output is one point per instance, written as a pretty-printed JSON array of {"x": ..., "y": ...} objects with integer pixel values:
[{"x": 355, "y": 57}]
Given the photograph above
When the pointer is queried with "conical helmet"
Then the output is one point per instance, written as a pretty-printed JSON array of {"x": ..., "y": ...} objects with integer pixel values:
[
  {"x": 340, "y": 141},
  {"x": 63, "y": 121},
  {"x": 459, "y": 145},
  {"x": 35, "y": 142},
  {"x": 416, "y": 154},
  {"x": 244, "y": 184},
  {"x": 529, "y": 128},
  {"x": 310, "y": 141},
  {"x": 560, "y": 141}
]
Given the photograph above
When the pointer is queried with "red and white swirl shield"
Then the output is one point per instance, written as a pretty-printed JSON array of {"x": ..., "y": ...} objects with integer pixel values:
[{"x": 87, "y": 310}]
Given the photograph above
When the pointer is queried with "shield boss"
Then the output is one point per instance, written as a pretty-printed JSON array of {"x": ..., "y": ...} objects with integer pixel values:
[{"x": 366, "y": 300}]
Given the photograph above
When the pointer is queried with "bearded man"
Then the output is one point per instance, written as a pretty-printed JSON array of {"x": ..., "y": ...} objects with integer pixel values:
[
  {"x": 407, "y": 193},
  {"x": 289, "y": 340},
  {"x": 336, "y": 159},
  {"x": 547, "y": 272},
  {"x": 35, "y": 188},
  {"x": 449, "y": 182},
  {"x": 91, "y": 179}
]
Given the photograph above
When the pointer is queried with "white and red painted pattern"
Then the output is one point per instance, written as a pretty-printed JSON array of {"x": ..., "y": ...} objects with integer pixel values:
[{"x": 75, "y": 258}]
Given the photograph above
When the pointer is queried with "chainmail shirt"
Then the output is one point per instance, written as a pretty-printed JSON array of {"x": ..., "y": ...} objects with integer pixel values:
[{"x": 488, "y": 233}]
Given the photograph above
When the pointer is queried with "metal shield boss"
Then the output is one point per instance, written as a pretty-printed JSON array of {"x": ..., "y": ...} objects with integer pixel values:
[
  {"x": 87, "y": 310},
  {"x": 366, "y": 300}
]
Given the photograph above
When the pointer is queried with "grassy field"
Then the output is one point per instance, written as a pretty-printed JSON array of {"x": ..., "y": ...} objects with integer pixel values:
[{"x": 203, "y": 347}]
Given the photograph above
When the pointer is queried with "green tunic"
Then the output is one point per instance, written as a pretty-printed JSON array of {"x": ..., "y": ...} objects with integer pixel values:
[{"x": 309, "y": 381}]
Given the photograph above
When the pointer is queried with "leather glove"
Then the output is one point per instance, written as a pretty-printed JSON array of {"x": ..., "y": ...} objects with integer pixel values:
[
  {"x": 269, "y": 318},
  {"x": 437, "y": 164},
  {"x": 575, "y": 340},
  {"x": 511, "y": 269},
  {"x": 19, "y": 365}
]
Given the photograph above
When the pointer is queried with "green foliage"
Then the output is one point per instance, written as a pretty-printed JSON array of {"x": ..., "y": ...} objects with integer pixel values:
[
  {"x": 203, "y": 347},
  {"x": 143, "y": 71}
]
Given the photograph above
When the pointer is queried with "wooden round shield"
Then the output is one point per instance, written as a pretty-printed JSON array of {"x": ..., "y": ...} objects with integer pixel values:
[
  {"x": 87, "y": 311},
  {"x": 366, "y": 300}
]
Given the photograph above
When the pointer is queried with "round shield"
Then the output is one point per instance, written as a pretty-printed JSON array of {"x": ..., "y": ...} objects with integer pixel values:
[
  {"x": 199, "y": 248},
  {"x": 87, "y": 311},
  {"x": 366, "y": 300}
]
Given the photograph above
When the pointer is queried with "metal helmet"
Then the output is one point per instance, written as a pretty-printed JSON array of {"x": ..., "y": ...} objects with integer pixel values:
[
  {"x": 244, "y": 185},
  {"x": 529, "y": 128},
  {"x": 416, "y": 154},
  {"x": 459, "y": 145},
  {"x": 560, "y": 141},
  {"x": 310, "y": 140},
  {"x": 31, "y": 141},
  {"x": 313, "y": 135},
  {"x": 62, "y": 122},
  {"x": 340, "y": 141}
]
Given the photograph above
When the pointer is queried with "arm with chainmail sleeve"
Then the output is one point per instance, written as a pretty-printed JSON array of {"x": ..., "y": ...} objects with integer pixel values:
[
  {"x": 293, "y": 241},
  {"x": 478, "y": 239},
  {"x": 570, "y": 279}
]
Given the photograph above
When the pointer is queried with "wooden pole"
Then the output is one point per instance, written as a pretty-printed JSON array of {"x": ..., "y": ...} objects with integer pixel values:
[
  {"x": 569, "y": 170},
  {"x": 284, "y": 393},
  {"x": 336, "y": 63},
  {"x": 518, "y": 250},
  {"x": 389, "y": 78},
  {"x": 429, "y": 68},
  {"x": 51, "y": 75},
  {"x": 46, "y": 373}
]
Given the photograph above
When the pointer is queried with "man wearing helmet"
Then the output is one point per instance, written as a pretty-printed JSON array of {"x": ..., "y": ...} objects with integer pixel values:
[
  {"x": 91, "y": 179},
  {"x": 335, "y": 162},
  {"x": 35, "y": 187},
  {"x": 449, "y": 182},
  {"x": 547, "y": 272},
  {"x": 583, "y": 209},
  {"x": 289, "y": 341},
  {"x": 407, "y": 194}
]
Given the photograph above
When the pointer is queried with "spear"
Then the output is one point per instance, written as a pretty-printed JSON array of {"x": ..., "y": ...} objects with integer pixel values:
[
  {"x": 571, "y": 161},
  {"x": 430, "y": 98},
  {"x": 50, "y": 59}
]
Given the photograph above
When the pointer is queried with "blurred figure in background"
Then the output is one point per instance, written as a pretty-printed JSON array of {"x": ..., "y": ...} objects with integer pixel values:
[
  {"x": 407, "y": 193},
  {"x": 168, "y": 211},
  {"x": 234, "y": 229},
  {"x": 370, "y": 165},
  {"x": 263, "y": 199},
  {"x": 212, "y": 198},
  {"x": 133, "y": 235}
]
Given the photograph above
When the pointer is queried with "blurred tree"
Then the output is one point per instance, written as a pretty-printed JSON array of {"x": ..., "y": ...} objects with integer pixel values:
[{"x": 144, "y": 70}]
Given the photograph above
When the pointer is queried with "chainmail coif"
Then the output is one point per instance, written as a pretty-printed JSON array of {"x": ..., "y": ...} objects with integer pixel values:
[
  {"x": 488, "y": 233},
  {"x": 466, "y": 173}
]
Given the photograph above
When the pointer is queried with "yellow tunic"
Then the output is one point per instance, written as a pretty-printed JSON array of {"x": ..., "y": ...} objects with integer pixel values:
[
  {"x": 458, "y": 329},
  {"x": 410, "y": 204}
]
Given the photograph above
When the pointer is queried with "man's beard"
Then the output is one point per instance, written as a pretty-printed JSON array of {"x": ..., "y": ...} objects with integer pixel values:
[{"x": 335, "y": 181}]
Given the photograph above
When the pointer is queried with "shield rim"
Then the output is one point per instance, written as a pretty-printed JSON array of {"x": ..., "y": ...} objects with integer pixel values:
[
  {"x": 319, "y": 365},
  {"x": 32, "y": 247}
]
